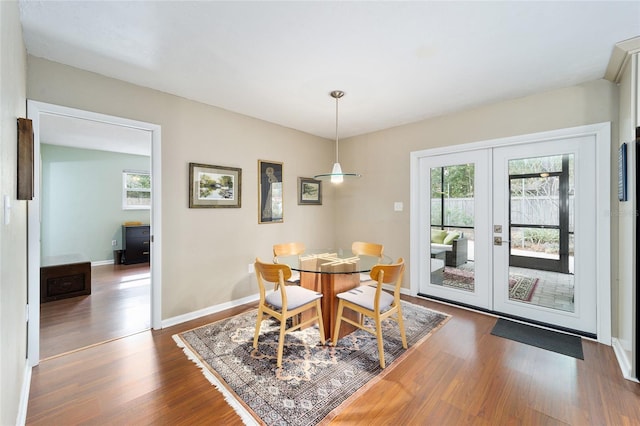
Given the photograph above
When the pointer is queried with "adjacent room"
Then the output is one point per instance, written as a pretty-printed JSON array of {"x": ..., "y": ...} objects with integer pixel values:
[{"x": 95, "y": 197}]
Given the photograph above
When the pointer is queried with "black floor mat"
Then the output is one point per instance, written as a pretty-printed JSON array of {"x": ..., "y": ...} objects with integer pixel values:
[{"x": 546, "y": 339}]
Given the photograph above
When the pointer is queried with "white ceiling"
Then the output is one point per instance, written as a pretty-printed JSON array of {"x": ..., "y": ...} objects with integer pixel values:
[{"x": 398, "y": 62}]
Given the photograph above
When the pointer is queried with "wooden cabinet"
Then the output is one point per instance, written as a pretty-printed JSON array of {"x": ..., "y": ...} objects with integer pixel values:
[
  {"x": 136, "y": 244},
  {"x": 64, "y": 276}
]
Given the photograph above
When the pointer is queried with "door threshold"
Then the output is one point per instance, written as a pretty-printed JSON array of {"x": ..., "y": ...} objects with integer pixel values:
[{"x": 511, "y": 317}]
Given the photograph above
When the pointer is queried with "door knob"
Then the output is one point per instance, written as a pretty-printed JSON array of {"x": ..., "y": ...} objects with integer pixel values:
[{"x": 497, "y": 241}]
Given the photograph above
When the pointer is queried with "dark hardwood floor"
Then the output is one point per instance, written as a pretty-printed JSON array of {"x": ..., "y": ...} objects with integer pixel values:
[
  {"x": 460, "y": 375},
  {"x": 119, "y": 305}
]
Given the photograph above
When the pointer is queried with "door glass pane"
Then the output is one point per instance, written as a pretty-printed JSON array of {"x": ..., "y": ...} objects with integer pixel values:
[
  {"x": 452, "y": 226},
  {"x": 535, "y": 165},
  {"x": 535, "y": 200},
  {"x": 535, "y": 242},
  {"x": 541, "y": 231}
]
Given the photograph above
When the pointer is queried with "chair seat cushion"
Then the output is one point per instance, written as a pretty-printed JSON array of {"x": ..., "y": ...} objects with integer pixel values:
[
  {"x": 294, "y": 278},
  {"x": 365, "y": 277},
  {"x": 296, "y": 297},
  {"x": 364, "y": 296}
]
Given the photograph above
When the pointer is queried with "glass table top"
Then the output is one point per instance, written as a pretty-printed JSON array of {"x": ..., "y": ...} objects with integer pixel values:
[{"x": 332, "y": 261}]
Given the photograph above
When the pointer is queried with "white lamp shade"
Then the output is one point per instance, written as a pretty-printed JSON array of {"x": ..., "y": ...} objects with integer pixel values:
[{"x": 336, "y": 173}]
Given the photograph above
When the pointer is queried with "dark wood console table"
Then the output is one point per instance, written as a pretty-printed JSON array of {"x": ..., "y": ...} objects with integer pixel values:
[{"x": 64, "y": 276}]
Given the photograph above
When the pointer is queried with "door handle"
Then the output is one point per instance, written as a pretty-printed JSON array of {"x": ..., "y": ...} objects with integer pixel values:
[{"x": 497, "y": 241}]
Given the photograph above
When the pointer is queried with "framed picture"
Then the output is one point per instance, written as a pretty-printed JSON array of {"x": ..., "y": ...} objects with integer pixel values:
[
  {"x": 622, "y": 172},
  {"x": 25, "y": 159},
  {"x": 214, "y": 186},
  {"x": 309, "y": 191},
  {"x": 270, "y": 192}
]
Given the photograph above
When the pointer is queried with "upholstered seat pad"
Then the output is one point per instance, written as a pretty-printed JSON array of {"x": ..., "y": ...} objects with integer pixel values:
[
  {"x": 295, "y": 277},
  {"x": 365, "y": 295},
  {"x": 296, "y": 297},
  {"x": 365, "y": 277}
]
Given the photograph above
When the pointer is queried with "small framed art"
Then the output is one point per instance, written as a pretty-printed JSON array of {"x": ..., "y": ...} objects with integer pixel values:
[
  {"x": 214, "y": 186},
  {"x": 309, "y": 191},
  {"x": 622, "y": 172},
  {"x": 270, "y": 183}
]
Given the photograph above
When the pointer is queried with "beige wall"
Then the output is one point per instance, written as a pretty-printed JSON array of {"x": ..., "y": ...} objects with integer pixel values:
[
  {"x": 198, "y": 243},
  {"x": 13, "y": 237},
  {"x": 383, "y": 157},
  {"x": 205, "y": 252}
]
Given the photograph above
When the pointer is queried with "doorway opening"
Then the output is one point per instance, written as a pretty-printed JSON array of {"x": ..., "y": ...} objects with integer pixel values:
[{"x": 119, "y": 282}]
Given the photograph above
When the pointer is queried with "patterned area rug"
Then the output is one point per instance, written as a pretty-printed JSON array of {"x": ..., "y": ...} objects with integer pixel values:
[
  {"x": 521, "y": 287},
  {"x": 314, "y": 380}
]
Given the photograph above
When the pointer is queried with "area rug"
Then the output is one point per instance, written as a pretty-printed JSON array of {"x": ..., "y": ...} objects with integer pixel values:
[
  {"x": 554, "y": 341},
  {"x": 521, "y": 287},
  {"x": 315, "y": 381}
]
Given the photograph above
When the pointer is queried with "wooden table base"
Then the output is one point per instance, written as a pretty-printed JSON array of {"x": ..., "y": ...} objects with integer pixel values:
[{"x": 330, "y": 285}]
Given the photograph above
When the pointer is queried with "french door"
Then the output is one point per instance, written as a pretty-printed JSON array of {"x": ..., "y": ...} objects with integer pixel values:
[
  {"x": 457, "y": 202},
  {"x": 544, "y": 239},
  {"x": 523, "y": 218}
]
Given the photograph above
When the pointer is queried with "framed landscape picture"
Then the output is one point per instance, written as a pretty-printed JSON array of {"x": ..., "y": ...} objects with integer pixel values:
[
  {"x": 309, "y": 191},
  {"x": 270, "y": 203},
  {"x": 214, "y": 186}
]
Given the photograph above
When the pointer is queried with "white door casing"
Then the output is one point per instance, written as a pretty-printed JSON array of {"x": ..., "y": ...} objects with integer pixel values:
[{"x": 35, "y": 110}]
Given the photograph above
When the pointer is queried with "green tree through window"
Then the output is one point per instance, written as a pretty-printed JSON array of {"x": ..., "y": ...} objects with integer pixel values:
[
  {"x": 452, "y": 191},
  {"x": 136, "y": 191}
]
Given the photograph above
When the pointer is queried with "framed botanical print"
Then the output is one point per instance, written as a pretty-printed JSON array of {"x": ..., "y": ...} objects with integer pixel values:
[
  {"x": 309, "y": 191},
  {"x": 214, "y": 186},
  {"x": 270, "y": 181}
]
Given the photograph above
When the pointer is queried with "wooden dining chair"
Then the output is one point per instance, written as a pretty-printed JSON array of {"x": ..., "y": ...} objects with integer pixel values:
[
  {"x": 284, "y": 302},
  {"x": 367, "y": 249},
  {"x": 375, "y": 303},
  {"x": 289, "y": 249}
]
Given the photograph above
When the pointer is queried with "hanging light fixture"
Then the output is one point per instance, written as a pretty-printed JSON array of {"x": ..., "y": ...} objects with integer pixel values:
[{"x": 336, "y": 174}]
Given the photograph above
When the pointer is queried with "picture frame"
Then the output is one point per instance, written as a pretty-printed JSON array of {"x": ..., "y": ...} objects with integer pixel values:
[
  {"x": 25, "y": 159},
  {"x": 270, "y": 192},
  {"x": 309, "y": 191},
  {"x": 622, "y": 172},
  {"x": 213, "y": 186}
]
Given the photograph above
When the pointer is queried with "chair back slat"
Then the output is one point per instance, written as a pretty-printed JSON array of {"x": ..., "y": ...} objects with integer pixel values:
[
  {"x": 271, "y": 271},
  {"x": 367, "y": 249},
  {"x": 288, "y": 249},
  {"x": 390, "y": 273}
]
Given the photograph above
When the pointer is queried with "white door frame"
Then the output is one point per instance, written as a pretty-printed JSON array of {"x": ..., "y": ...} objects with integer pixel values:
[
  {"x": 602, "y": 134},
  {"x": 35, "y": 110}
]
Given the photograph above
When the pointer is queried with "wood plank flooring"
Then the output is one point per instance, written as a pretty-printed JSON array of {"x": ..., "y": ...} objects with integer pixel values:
[
  {"x": 119, "y": 305},
  {"x": 461, "y": 375}
]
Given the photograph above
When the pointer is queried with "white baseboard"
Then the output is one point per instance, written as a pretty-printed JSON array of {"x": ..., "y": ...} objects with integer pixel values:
[
  {"x": 102, "y": 262},
  {"x": 228, "y": 305},
  {"x": 208, "y": 311},
  {"x": 21, "y": 418},
  {"x": 623, "y": 359}
]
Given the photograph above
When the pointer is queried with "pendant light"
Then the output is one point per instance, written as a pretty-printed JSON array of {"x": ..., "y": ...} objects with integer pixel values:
[{"x": 336, "y": 174}]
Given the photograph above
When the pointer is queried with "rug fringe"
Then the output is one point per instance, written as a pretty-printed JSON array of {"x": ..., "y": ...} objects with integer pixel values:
[{"x": 233, "y": 402}]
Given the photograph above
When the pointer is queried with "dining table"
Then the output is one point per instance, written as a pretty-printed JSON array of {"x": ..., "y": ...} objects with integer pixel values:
[{"x": 330, "y": 272}]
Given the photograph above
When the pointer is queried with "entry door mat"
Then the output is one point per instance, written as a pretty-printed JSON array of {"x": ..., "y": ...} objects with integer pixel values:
[{"x": 561, "y": 343}]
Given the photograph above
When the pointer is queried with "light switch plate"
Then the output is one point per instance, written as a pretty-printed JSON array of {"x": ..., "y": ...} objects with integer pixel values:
[{"x": 398, "y": 206}]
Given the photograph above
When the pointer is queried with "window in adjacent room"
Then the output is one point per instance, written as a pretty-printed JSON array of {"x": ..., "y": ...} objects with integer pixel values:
[{"x": 136, "y": 190}]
